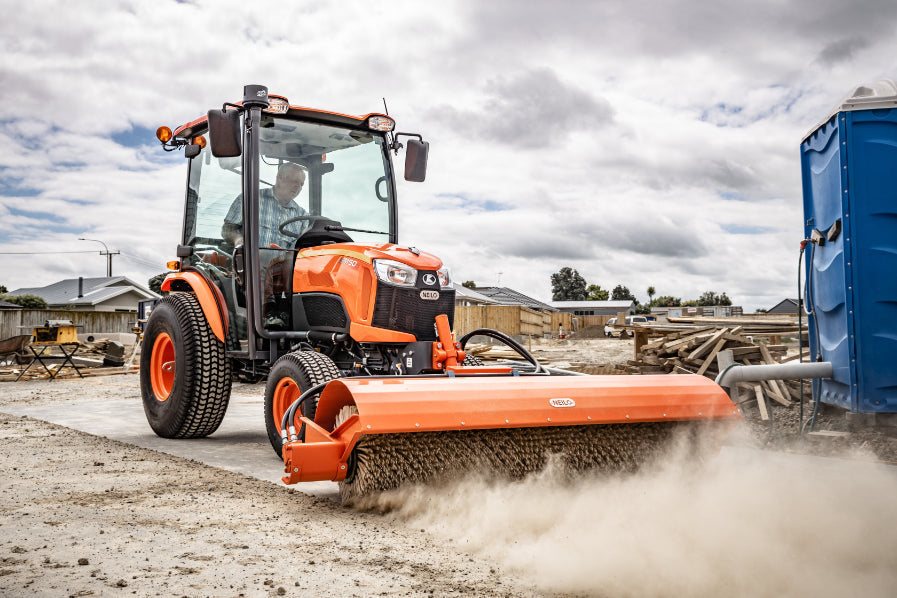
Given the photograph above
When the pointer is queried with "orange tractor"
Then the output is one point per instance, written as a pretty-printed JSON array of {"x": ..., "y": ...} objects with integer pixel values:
[{"x": 290, "y": 269}]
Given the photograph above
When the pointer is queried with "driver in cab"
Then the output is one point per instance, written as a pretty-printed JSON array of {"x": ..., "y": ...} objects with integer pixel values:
[{"x": 276, "y": 206}]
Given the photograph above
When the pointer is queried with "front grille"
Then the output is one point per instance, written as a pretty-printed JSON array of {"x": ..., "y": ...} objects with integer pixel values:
[
  {"x": 324, "y": 311},
  {"x": 403, "y": 310}
]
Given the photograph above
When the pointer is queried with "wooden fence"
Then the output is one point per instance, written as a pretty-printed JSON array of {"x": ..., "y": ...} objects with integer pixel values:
[
  {"x": 90, "y": 321},
  {"x": 517, "y": 320}
]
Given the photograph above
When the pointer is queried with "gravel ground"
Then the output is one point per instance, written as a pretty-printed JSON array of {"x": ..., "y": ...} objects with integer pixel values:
[{"x": 88, "y": 516}]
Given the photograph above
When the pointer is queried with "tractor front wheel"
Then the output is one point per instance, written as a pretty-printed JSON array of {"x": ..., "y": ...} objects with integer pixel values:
[
  {"x": 185, "y": 376},
  {"x": 291, "y": 375}
]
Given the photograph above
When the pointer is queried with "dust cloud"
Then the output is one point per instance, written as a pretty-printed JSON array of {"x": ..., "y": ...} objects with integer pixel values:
[{"x": 742, "y": 523}]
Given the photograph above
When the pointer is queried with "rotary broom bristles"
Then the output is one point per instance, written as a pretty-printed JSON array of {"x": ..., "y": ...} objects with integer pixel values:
[{"x": 385, "y": 461}]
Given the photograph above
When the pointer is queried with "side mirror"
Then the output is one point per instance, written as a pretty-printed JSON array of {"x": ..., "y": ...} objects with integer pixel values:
[
  {"x": 416, "y": 160},
  {"x": 224, "y": 133}
]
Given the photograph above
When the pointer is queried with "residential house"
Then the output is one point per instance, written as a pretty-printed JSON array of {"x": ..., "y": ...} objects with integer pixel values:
[
  {"x": 116, "y": 293},
  {"x": 595, "y": 308}
]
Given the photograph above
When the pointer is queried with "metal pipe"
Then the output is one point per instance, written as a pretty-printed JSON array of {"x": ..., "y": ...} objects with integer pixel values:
[{"x": 778, "y": 371}]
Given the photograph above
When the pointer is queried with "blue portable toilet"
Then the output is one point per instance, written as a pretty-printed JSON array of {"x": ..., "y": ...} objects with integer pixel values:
[{"x": 849, "y": 170}]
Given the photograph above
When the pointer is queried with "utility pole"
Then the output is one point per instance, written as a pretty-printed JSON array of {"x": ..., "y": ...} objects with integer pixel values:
[{"x": 107, "y": 253}]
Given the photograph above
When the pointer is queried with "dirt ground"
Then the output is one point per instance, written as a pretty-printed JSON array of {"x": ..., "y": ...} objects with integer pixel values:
[{"x": 87, "y": 516}]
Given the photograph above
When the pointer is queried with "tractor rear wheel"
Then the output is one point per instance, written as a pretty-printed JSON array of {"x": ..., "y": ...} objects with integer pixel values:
[
  {"x": 185, "y": 376},
  {"x": 291, "y": 375}
]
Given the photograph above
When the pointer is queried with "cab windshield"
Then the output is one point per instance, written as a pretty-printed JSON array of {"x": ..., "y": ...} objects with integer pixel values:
[{"x": 305, "y": 170}]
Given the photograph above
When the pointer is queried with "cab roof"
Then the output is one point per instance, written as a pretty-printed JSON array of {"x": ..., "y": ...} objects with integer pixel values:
[{"x": 193, "y": 128}]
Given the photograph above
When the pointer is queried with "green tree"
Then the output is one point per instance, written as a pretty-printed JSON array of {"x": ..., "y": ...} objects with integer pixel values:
[
  {"x": 666, "y": 301},
  {"x": 711, "y": 298},
  {"x": 621, "y": 293},
  {"x": 155, "y": 283},
  {"x": 3, "y": 289},
  {"x": 651, "y": 293},
  {"x": 26, "y": 301},
  {"x": 568, "y": 285},
  {"x": 596, "y": 293},
  {"x": 469, "y": 284}
]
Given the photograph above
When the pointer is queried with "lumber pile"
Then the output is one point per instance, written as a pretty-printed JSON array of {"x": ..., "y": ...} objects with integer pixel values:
[
  {"x": 488, "y": 352},
  {"x": 748, "y": 326},
  {"x": 695, "y": 352}
]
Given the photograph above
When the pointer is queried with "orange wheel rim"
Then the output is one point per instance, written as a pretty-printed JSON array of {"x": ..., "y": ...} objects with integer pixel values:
[
  {"x": 285, "y": 393},
  {"x": 162, "y": 367}
]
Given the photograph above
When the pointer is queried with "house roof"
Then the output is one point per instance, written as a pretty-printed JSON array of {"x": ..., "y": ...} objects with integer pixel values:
[
  {"x": 95, "y": 290},
  {"x": 784, "y": 306},
  {"x": 8, "y": 305},
  {"x": 462, "y": 292},
  {"x": 624, "y": 304},
  {"x": 506, "y": 296}
]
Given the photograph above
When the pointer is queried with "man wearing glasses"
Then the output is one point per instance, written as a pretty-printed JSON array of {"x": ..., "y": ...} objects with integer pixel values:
[{"x": 276, "y": 206}]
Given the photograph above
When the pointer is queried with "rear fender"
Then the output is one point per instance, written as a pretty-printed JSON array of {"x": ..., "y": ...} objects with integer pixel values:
[{"x": 210, "y": 298}]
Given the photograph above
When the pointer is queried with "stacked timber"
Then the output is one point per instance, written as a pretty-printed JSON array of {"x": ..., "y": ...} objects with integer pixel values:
[
  {"x": 695, "y": 352},
  {"x": 749, "y": 326}
]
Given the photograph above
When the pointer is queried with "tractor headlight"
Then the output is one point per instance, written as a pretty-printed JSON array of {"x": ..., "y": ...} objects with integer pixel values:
[
  {"x": 395, "y": 273},
  {"x": 445, "y": 279}
]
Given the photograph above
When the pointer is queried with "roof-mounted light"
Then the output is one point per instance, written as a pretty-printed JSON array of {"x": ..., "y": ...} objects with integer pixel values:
[
  {"x": 163, "y": 134},
  {"x": 277, "y": 105},
  {"x": 381, "y": 123},
  {"x": 200, "y": 141}
]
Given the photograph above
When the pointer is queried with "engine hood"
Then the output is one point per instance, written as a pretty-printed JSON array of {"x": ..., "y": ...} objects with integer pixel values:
[{"x": 367, "y": 252}]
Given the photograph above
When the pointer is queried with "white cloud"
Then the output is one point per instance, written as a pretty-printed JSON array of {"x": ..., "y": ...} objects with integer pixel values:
[{"x": 630, "y": 141}]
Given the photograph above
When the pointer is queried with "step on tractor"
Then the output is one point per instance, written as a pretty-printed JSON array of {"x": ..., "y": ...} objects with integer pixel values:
[{"x": 290, "y": 270}]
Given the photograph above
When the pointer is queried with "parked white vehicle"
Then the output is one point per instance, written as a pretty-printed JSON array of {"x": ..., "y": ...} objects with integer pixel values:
[{"x": 610, "y": 330}]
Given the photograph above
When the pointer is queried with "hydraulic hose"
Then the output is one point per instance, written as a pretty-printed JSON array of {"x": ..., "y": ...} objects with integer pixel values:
[
  {"x": 509, "y": 342},
  {"x": 290, "y": 413},
  {"x": 800, "y": 332},
  {"x": 810, "y": 310}
]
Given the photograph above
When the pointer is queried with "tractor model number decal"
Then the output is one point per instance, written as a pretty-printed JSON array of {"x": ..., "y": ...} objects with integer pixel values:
[
  {"x": 348, "y": 261},
  {"x": 562, "y": 402},
  {"x": 429, "y": 295}
]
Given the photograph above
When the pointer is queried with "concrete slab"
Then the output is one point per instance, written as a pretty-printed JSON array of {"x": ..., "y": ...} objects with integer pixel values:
[{"x": 240, "y": 444}]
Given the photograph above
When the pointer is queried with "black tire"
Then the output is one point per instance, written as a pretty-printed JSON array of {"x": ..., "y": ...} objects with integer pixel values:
[
  {"x": 303, "y": 369},
  {"x": 200, "y": 380}
]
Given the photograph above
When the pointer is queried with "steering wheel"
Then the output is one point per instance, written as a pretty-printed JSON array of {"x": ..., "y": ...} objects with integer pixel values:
[{"x": 289, "y": 233}]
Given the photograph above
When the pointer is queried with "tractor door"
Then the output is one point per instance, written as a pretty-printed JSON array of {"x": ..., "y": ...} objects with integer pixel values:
[{"x": 213, "y": 186}]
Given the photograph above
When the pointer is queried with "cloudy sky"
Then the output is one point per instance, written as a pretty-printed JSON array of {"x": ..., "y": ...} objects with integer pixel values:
[{"x": 642, "y": 143}]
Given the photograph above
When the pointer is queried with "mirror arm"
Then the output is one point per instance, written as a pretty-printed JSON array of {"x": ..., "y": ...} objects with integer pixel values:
[{"x": 396, "y": 146}]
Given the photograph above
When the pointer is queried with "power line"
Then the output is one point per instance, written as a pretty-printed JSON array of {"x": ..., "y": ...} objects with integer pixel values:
[
  {"x": 143, "y": 261},
  {"x": 42, "y": 252}
]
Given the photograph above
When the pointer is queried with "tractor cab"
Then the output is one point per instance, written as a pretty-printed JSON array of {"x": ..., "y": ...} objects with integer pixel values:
[{"x": 267, "y": 180}]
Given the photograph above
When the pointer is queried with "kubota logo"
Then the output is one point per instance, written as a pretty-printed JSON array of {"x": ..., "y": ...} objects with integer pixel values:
[
  {"x": 429, "y": 279},
  {"x": 562, "y": 402}
]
